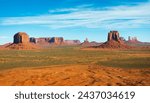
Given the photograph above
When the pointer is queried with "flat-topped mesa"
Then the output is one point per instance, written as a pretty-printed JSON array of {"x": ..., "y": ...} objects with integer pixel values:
[
  {"x": 21, "y": 37},
  {"x": 113, "y": 35},
  {"x": 40, "y": 40},
  {"x": 48, "y": 40},
  {"x": 72, "y": 42},
  {"x": 57, "y": 40},
  {"x": 21, "y": 41}
]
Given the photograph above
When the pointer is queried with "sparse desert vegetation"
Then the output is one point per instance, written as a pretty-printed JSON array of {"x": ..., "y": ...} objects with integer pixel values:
[{"x": 74, "y": 55}]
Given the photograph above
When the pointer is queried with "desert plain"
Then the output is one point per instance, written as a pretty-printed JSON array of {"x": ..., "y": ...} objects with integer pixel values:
[{"x": 75, "y": 66}]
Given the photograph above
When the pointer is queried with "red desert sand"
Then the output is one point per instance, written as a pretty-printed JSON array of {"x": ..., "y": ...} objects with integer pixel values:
[{"x": 75, "y": 75}]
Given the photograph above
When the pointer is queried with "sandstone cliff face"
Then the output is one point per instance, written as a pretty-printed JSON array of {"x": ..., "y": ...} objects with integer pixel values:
[
  {"x": 21, "y": 41},
  {"x": 21, "y": 37},
  {"x": 48, "y": 40},
  {"x": 40, "y": 40},
  {"x": 33, "y": 40},
  {"x": 57, "y": 40},
  {"x": 113, "y": 35},
  {"x": 114, "y": 41}
]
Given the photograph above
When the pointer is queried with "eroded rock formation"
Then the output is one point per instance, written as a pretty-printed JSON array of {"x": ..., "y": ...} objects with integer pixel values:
[
  {"x": 57, "y": 40},
  {"x": 47, "y": 40},
  {"x": 40, "y": 40},
  {"x": 21, "y": 37},
  {"x": 21, "y": 41},
  {"x": 72, "y": 42},
  {"x": 133, "y": 40},
  {"x": 114, "y": 41},
  {"x": 113, "y": 35},
  {"x": 86, "y": 43}
]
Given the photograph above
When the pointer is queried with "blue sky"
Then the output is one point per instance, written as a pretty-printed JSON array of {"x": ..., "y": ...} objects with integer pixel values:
[{"x": 75, "y": 19}]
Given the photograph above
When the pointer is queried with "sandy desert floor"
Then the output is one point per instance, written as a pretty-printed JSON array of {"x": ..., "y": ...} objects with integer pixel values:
[{"x": 75, "y": 75}]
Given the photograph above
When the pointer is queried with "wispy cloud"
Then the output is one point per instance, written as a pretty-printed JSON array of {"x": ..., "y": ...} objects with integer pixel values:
[
  {"x": 69, "y": 10},
  {"x": 86, "y": 16}
]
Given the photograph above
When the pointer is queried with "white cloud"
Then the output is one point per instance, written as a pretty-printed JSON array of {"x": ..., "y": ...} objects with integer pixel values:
[{"x": 85, "y": 16}]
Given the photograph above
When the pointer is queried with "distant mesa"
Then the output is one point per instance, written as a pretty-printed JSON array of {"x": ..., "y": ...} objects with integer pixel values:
[
  {"x": 113, "y": 35},
  {"x": 114, "y": 41},
  {"x": 57, "y": 40},
  {"x": 48, "y": 41},
  {"x": 42, "y": 40},
  {"x": 21, "y": 41},
  {"x": 72, "y": 42},
  {"x": 21, "y": 37},
  {"x": 86, "y": 43},
  {"x": 133, "y": 40}
]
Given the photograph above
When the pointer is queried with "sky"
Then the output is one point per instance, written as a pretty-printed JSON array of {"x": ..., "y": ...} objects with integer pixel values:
[{"x": 75, "y": 19}]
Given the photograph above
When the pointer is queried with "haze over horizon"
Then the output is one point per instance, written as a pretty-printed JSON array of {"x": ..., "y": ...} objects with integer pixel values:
[{"x": 75, "y": 19}]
